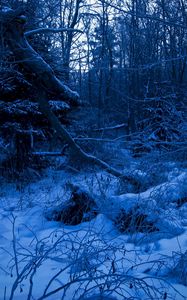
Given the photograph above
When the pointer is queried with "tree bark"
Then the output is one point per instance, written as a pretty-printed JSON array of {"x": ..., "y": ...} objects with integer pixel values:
[{"x": 68, "y": 43}]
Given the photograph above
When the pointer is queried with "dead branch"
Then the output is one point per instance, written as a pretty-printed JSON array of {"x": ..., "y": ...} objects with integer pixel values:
[
  {"x": 51, "y": 30},
  {"x": 45, "y": 153},
  {"x": 116, "y": 127}
]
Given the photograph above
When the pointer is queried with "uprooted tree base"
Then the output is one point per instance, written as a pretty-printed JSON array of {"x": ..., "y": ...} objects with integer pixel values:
[{"x": 81, "y": 207}]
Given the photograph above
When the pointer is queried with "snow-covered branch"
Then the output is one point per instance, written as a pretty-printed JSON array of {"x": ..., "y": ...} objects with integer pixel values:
[{"x": 51, "y": 30}]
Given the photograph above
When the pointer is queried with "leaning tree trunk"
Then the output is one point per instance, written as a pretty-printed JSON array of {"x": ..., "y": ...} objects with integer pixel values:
[
  {"x": 45, "y": 81},
  {"x": 76, "y": 151},
  {"x": 32, "y": 62}
]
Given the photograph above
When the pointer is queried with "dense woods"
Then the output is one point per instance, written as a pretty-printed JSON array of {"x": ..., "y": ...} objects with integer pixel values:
[
  {"x": 127, "y": 60},
  {"x": 93, "y": 143}
]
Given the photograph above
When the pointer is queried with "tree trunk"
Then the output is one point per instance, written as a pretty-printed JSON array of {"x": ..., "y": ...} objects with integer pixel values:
[{"x": 76, "y": 152}]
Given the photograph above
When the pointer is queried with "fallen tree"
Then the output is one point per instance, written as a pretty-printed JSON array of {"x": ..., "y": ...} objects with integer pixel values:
[{"x": 13, "y": 23}]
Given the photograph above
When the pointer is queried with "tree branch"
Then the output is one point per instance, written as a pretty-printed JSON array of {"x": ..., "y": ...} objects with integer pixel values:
[
  {"x": 51, "y": 30},
  {"x": 140, "y": 16}
]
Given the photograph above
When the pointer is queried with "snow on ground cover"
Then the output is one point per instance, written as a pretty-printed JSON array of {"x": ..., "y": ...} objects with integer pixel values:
[
  {"x": 121, "y": 254},
  {"x": 158, "y": 203},
  {"x": 93, "y": 253}
]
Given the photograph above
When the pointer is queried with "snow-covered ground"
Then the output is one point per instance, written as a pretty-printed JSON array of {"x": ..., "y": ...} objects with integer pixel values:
[{"x": 42, "y": 259}]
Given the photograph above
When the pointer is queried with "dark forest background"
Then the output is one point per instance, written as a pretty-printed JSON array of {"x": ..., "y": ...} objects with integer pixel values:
[{"x": 128, "y": 64}]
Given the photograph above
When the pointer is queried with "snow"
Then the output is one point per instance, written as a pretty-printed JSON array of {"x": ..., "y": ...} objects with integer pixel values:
[
  {"x": 93, "y": 256},
  {"x": 25, "y": 107}
]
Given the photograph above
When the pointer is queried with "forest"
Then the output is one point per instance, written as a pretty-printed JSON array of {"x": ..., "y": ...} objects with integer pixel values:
[{"x": 93, "y": 149}]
